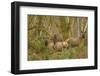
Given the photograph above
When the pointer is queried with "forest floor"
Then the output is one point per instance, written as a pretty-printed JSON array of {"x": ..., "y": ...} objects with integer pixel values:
[{"x": 70, "y": 53}]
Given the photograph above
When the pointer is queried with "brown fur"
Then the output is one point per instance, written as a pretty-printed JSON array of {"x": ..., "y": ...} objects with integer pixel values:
[{"x": 59, "y": 45}]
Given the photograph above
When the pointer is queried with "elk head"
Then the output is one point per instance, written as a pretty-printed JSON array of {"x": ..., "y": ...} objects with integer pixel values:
[
  {"x": 81, "y": 39},
  {"x": 83, "y": 32}
]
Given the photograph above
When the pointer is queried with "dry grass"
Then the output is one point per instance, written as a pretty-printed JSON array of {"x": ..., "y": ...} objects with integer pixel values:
[{"x": 41, "y": 27}]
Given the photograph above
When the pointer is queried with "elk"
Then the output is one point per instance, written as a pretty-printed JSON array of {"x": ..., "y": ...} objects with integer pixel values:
[
  {"x": 61, "y": 45},
  {"x": 50, "y": 45},
  {"x": 58, "y": 45},
  {"x": 55, "y": 44},
  {"x": 82, "y": 38}
]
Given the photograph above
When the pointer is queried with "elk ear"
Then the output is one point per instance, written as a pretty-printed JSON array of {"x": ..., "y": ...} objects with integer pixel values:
[
  {"x": 81, "y": 29},
  {"x": 67, "y": 40},
  {"x": 85, "y": 28}
]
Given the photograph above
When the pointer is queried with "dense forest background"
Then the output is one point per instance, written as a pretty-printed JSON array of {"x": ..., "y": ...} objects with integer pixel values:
[{"x": 57, "y": 37}]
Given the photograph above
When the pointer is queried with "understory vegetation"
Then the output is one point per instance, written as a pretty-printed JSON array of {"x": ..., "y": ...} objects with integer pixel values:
[{"x": 57, "y": 37}]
